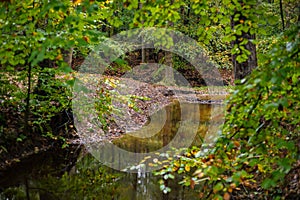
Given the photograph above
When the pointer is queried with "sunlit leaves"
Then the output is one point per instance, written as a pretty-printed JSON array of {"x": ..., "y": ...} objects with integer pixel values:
[{"x": 257, "y": 148}]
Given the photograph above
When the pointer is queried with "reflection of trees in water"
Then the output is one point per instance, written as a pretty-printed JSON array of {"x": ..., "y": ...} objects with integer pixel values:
[
  {"x": 184, "y": 119},
  {"x": 171, "y": 122},
  {"x": 144, "y": 186},
  {"x": 173, "y": 115}
]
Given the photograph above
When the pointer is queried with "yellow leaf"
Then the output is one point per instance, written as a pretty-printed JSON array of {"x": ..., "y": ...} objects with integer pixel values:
[
  {"x": 260, "y": 168},
  {"x": 187, "y": 168},
  {"x": 204, "y": 165},
  {"x": 174, "y": 169},
  {"x": 194, "y": 152},
  {"x": 130, "y": 105},
  {"x": 59, "y": 57},
  {"x": 176, "y": 164},
  {"x": 76, "y": 2}
]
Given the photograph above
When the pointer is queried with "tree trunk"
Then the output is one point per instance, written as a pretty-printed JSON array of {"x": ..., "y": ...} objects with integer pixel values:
[
  {"x": 281, "y": 14},
  {"x": 28, "y": 97},
  {"x": 169, "y": 75},
  {"x": 68, "y": 55},
  {"x": 241, "y": 70}
]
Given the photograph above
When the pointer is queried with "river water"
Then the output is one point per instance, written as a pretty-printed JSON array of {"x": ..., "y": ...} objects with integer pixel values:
[{"x": 75, "y": 173}]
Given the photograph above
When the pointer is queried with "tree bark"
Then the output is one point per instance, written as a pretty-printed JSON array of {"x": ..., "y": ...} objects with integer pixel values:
[
  {"x": 281, "y": 14},
  {"x": 143, "y": 53},
  {"x": 68, "y": 56},
  {"x": 169, "y": 75},
  {"x": 241, "y": 70},
  {"x": 27, "y": 106}
]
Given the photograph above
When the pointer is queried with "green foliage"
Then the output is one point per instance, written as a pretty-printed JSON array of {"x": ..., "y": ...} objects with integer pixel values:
[
  {"x": 17, "y": 193},
  {"x": 263, "y": 114},
  {"x": 35, "y": 80},
  {"x": 259, "y": 141},
  {"x": 150, "y": 14},
  {"x": 210, "y": 23}
]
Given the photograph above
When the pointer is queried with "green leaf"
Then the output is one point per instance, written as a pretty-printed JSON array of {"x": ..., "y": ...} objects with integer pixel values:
[
  {"x": 171, "y": 176},
  {"x": 70, "y": 82},
  {"x": 285, "y": 164},
  {"x": 219, "y": 186},
  {"x": 268, "y": 183}
]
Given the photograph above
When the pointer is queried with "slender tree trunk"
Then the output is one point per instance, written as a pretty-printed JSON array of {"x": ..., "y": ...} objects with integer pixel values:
[
  {"x": 27, "y": 107},
  {"x": 27, "y": 100},
  {"x": 27, "y": 188},
  {"x": 241, "y": 70},
  {"x": 281, "y": 14},
  {"x": 68, "y": 56},
  {"x": 169, "y": 75},
  {"x": 143, "y": 53}
]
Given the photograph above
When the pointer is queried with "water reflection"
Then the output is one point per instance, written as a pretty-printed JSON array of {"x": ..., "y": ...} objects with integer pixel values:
[
  {"x": 183, "y": 119},
  {"x": 66, "y": 175},
  {"x": 184, "y": 124},
  {"x": 88, "y": 179}
]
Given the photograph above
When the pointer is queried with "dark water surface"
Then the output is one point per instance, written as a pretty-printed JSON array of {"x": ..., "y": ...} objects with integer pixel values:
[{"x": 73, "y": 173}]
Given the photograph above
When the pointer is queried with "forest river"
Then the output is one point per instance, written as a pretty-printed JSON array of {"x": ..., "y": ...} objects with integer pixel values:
[{"x": 73, "y": 173}]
